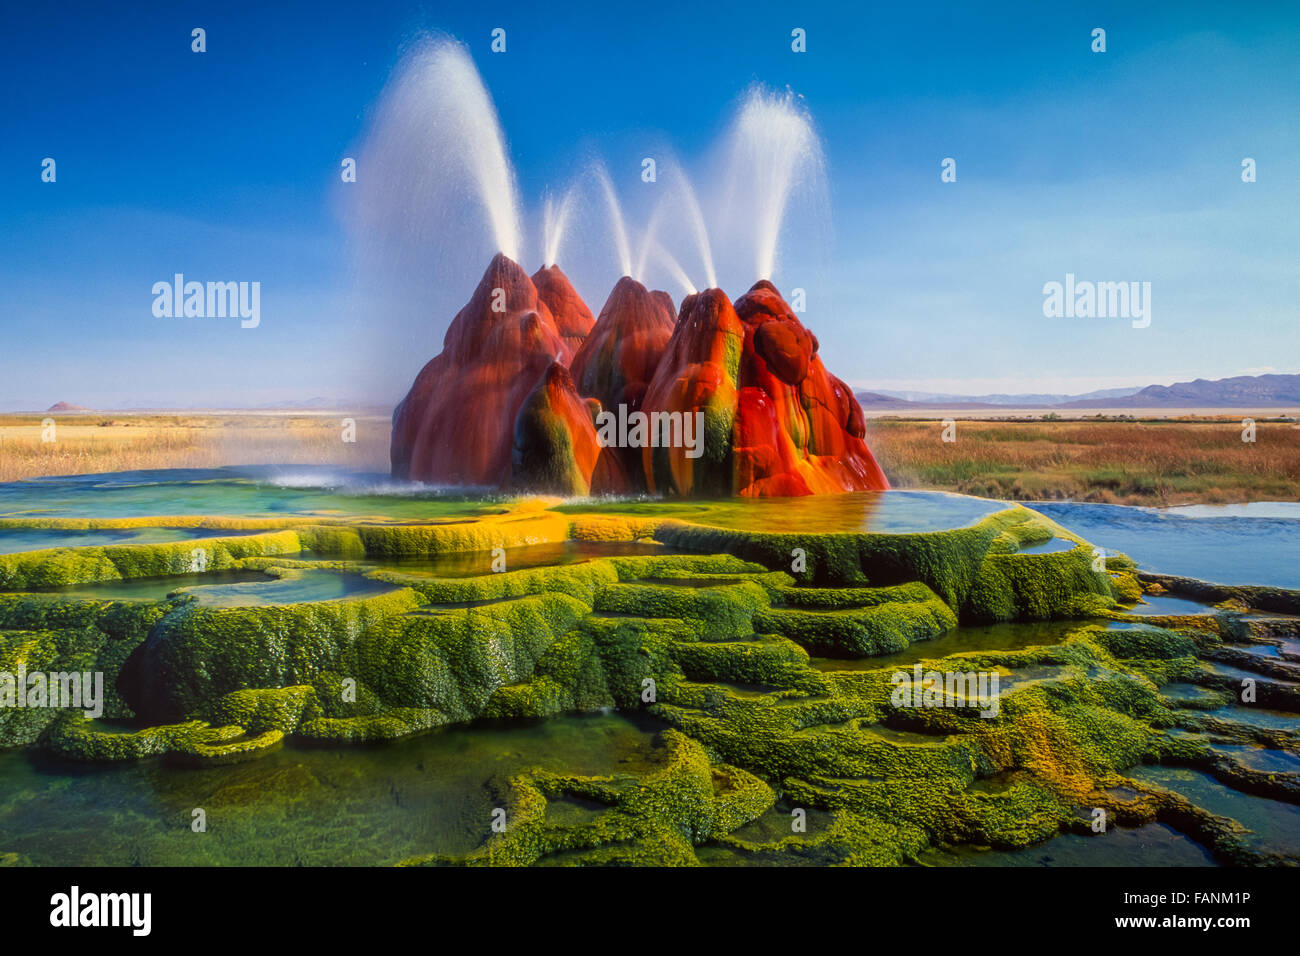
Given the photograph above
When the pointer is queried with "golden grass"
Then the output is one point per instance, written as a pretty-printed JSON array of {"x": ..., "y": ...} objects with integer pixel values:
[
  {"x": 1151, "y": 462},
  {"x": 103, "y": 442},
  {"x": 1126, "y": 462}
]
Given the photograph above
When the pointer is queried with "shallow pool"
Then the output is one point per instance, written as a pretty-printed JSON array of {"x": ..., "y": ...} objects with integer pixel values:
[
  {"x": 1274, "y": 825},
  {"x": 13, "y": 540},
  {"x": 294, "y": 588},
  {"x": 247, "y": 491},
  {"x": 1152, "y": 845},
  {"x": 299, "y": 807},
  {"x": 1260, "y": 546},
  {"x": 874, "y": 511},
  {"x": 154, "y": 588}
]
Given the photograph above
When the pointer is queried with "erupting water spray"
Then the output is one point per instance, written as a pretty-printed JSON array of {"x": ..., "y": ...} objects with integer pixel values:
[
  {"x": 773, "y": 150},
  {"x": 673, "y": 266},
  {"x": 435, "y": 156},
  {"x": 616, "y": 224},
  {"x": 695, "y": 217},
  {"x": 555, "y": 217},
  {"x": 436, "y": 142}
]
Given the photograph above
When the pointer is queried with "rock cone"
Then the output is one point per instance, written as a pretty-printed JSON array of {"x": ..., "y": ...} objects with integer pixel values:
[{"x": 736, "y": 400}]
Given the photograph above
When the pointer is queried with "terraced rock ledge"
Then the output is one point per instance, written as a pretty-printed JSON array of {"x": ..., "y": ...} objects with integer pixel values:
[{"x": 332, "y": 633}]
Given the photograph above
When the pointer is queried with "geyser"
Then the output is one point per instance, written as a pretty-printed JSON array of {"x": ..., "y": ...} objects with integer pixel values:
[
  {"x": 436, "y": 142},
  {"x": 677, "y": 206},
  {"x": 618, "y": 228},
  {"x": 773, "y": 149},
  {"x": 525, "y": 370},
  {"x": 555, "y": 217}
]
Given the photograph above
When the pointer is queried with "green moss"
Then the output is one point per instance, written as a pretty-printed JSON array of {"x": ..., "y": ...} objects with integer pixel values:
[
  {"x": 258, "y": 711},
  {"x": 57, "y": 567},
  {"x": 197, "y": 654},
  {"x": 78, "y": 738},
  {"x": 880, "y": 628},
  {"x": 717, "y": 613},
  {"x": 715, "y": 644},
  {"x": 503, "y": 531},
  {"x": 1032, "y": 587},
  {"x": 654, "y": 819}
]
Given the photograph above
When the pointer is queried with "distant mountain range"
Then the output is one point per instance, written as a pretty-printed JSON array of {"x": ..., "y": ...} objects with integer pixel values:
[{"x": 1243, "y": 391}]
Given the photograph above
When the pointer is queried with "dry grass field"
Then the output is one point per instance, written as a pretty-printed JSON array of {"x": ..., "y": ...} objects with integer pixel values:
[
  {"x": 85, "y": 443},
  {"x": 1149, "y": 461}
]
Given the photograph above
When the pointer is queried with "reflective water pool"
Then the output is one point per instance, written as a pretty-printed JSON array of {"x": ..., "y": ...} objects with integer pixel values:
[
  {"x": 1274, "y": 823},
  {"x": 1152, "y": 845},
  {"x": 247, "y": 491},
  {"x": 13, "y": 540},
  {"x": 1243, "y": 548},
  {"x": 878, "y": 511},
  {"x": 361, "y": 805},
  {"x": 291, "y": 589},
  {"x": 155, "y": 589}
]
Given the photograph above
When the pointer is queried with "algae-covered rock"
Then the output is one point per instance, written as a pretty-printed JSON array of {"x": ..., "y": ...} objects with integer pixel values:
[{"x": 715, "y": 647}]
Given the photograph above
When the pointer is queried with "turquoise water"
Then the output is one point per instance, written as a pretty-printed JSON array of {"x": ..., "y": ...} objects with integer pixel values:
[
  {"x": 877, "y": 511},
  {"x": 1257, "y": 716},
  {"x": 1262, "y": 758},
  {"x": 155, "y": 589},
  {"x": 251, "y": 492},
  {"x": 1255, "y": 545},
  {"x": 232, "y": 588},
  {"x": 13, "y": 540},
  {"x": 1163, "y": 605},
  {"x": 1240, "y": 673},
  {"x": 291, "y": 589},
  {"x": 1274, "y": 825}
]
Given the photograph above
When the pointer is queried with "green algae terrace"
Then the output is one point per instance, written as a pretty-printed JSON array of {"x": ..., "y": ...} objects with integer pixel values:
[{"x": 730, "y": 686}]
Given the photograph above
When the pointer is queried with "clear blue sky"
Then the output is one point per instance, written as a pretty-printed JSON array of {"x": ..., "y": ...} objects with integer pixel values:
[{"x": 1115, "y": 166}]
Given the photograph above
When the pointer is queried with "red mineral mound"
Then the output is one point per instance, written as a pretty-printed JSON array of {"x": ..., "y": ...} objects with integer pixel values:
[
  {"x": 555, "y": 445},
  {"x": 699, "y": 372},
  {"x": 619, "y": 357},
  {"x": 799, "y": 430},
  {"x": 572, "y": 317},
  {"x": 622, "y": 351},
  {"x": 730, "y": 400},
  {"x": 456, "y": 424}
]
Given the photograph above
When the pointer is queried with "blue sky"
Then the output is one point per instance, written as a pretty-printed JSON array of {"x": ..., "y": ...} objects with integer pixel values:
[{"x": 1116, "y": 166}]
